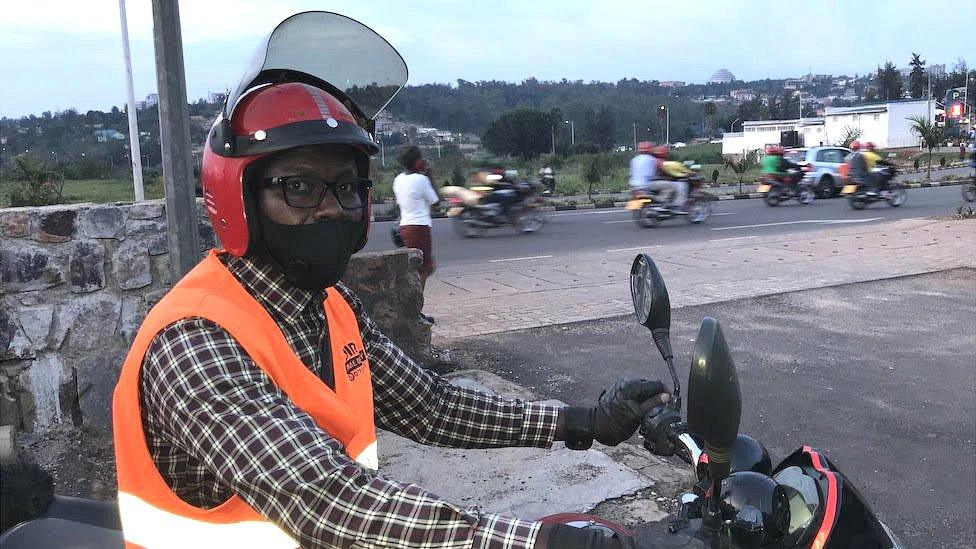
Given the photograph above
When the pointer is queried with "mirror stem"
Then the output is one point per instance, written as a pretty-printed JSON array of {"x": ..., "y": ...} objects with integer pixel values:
[{"x": 676, "y": 394}]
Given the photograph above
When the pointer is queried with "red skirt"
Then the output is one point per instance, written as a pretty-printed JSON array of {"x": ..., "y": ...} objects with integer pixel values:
[{"x": 418, "y": 236}]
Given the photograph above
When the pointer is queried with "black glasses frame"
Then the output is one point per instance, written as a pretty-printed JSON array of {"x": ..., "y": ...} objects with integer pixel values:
[{"x": 363, "y": 187}]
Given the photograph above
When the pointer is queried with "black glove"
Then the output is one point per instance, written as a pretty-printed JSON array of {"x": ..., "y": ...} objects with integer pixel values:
[
  {"x": 616, "y": 416},
  {"x": 657, "y": 427}
]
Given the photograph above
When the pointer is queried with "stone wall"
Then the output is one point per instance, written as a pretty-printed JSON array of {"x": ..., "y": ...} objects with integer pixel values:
[{"x": 77, "y": 280}]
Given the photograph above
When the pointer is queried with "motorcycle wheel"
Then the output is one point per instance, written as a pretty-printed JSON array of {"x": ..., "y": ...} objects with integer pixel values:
[
  {"x": 465, "y": 227},
  {"x": 857, "y": 202},
  {"x": 646, "y": 217},
  {"x": 699, "y": 211},
  {"x": 805, "y": 196},
  {"x": 969, "y": 192},
  {"x": 771, "y": 198},
  {"x": 898, "y": 196},
  {"x": 528, "y": 221}
]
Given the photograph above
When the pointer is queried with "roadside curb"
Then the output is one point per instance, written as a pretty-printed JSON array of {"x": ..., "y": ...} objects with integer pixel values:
[{"x": 622, "y": 204}]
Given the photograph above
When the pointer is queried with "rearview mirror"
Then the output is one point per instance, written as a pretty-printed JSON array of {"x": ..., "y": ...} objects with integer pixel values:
[
  {"x": 652, "y": 307},
  {"x": 714, "y": 400}
]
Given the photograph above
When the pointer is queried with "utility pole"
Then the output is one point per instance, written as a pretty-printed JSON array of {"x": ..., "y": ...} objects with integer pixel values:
[
  {"x": 174, "y": 125},
  {"x": 134, "y": 155},
  {"x": 572, "y": 129},
  {"x": 635, "y": 135},
  {"x": 553, "y": 129}
]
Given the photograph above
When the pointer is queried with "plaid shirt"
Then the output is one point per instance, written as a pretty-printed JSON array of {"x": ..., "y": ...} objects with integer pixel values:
[{"x": 216, "y": 425}]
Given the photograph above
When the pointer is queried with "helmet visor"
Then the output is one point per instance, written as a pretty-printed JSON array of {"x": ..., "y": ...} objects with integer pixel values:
[{"x": 340, "y": 51}]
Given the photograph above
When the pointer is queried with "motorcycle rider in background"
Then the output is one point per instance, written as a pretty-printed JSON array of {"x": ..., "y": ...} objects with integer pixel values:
[
  {"x": 857, "y": 166},
  {"x": 776, "y": 166},
  {"x": 871, "y": 160},
  {"x": 548, "y": 177},
  {"x": 645, "y": 173}
]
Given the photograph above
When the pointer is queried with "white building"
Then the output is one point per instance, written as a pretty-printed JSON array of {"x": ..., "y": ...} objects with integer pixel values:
[{"x": 886, "y": 124}]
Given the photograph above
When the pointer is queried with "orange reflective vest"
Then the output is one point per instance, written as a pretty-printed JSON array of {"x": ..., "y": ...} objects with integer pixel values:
[{"x": 152, "y": 514}]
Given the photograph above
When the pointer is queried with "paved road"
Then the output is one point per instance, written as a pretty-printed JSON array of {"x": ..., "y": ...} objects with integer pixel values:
[
  {"x": 879, "y": 375},
  {"x": 612, "y": 229}
]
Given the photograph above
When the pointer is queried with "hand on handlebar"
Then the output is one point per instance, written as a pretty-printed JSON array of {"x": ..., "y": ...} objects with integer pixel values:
[
  {"x": 621, "y": 408},
  {"x": 659, "y": 430}
]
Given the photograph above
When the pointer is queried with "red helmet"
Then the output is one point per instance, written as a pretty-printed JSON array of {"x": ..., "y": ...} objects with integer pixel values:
[
  {"x": 268, "y": 119},
  {"x": 775, "y": 150},
  {"x": 855, "y": 145},
  {"x": 869, "y": 145},
  {"x": 645, "y": 147},
  {"x": 661, "y": 151}
]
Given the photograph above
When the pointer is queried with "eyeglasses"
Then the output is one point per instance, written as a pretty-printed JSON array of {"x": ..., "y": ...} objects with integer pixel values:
[{"x": 308, "y": 192}]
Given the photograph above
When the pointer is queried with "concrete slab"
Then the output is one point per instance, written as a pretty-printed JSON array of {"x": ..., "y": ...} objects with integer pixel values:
[{"x": 525, "y": 482}]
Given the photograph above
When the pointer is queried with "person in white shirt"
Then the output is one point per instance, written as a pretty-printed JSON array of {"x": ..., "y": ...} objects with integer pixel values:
[
  {"x": 415, "y": 195},
  {"x": 645, "y": 175}
]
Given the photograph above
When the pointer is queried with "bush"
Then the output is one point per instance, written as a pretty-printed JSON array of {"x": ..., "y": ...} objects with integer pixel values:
[
  {"x": 37, "y": 184},
  {"x": 942, "y": 161}
]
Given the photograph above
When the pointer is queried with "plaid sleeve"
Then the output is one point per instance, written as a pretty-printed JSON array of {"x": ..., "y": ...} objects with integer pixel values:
[
  {"x": 218, "y": 406},
  {"x": 417, "y": 404}
]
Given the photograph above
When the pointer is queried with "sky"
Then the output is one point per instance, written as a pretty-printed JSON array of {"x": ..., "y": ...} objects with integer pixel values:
[{"x": 60, "y": 54}]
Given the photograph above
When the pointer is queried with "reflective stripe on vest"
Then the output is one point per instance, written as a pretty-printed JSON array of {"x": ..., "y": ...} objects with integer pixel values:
[
  {"x": 152, "y": 527},
  {"x": 152, "y": 515}
]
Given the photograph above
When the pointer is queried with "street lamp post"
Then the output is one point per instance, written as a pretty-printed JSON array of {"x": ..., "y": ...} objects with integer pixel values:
[
  {"x": 572, "y": 129},
  {"x": 553, "y": 128},
  {"x": 664, "y": 111},
  {"x": 732, "y": 125}
]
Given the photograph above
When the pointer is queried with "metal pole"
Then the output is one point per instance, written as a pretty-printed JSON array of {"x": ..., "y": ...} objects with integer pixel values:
[
  {"x": 134, "y": 155},
  {"x": 174, "y": 124},
  {"x": 635, "y": 136},
  {"x": 553, "y": 129},
  {"x": 668, "y": 118}
]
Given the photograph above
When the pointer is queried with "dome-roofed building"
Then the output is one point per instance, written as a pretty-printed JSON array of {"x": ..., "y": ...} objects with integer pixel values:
[{"x": 721, "y": 76}]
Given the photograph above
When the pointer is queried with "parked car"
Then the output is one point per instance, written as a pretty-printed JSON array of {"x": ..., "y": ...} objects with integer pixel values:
[{"x": 822, "y": 167}]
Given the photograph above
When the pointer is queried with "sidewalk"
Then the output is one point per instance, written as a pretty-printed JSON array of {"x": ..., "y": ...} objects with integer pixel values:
[{"x": 574, "y": 288}]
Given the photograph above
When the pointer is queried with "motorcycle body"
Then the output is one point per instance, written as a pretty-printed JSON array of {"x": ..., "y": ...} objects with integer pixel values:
[
  {"x": 649, "y": 207},
  {"x": 739, "y": 500},
  {"x": 859, "y": 195},
  {"x": 548, "y": 183},
  {"x": 776, "y": 189},
  {"x": 478, "y": 208}
]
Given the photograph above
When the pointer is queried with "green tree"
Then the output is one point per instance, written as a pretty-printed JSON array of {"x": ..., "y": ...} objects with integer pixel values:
[
  {"x": 917, "y": 79},
  {"x": 39, "y": 184},
  {"x": 525, "y": 133},
  {"x": 930, "y": 134},
  {"x": 848, "y": 135},
  {"x": 709, "y": 109},
  {"x": 889, "y": 82},
  {"x": 457, "y": 176},
  {"x": 592, "y": 172}
]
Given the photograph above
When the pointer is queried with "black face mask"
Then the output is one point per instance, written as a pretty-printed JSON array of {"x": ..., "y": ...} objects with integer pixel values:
[{"x": 312, "y": 256}]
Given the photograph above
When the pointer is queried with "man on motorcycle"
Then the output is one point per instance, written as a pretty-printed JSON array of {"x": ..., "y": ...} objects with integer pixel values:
[
  {"x": 548, "y": 177},
  {"x": 857, "y": 165},
  {"x": 776, "y": 166},
  {"x": 871, "y": 160},
  {"x": 246, "y": 411},
  {"x": 645, "y": 173}
]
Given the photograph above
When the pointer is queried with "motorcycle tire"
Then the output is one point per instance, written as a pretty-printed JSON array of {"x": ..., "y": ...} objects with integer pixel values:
[
  {"x": 465, "y": 227},
  {"x": 528, "y": 221},
  {"x": 646, "y": 217},
  {"x": 771, "y": 198},
  {"x": 898, "y": 196},
  {"x": 969, "y": 192},
  {"x": 857, "y": 202},
  {"x": 699, "y": 211},
  {"x": 806, "y": 196}
]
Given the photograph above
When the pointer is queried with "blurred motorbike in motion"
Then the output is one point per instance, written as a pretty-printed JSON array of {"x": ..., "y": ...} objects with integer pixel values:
[
  {"x": 496, "y": 199},
  {"x": 650, "y": 207}
]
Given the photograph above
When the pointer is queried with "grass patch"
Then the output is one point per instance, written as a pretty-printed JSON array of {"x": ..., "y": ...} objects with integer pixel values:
[{"x": 95, "y": 190}]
